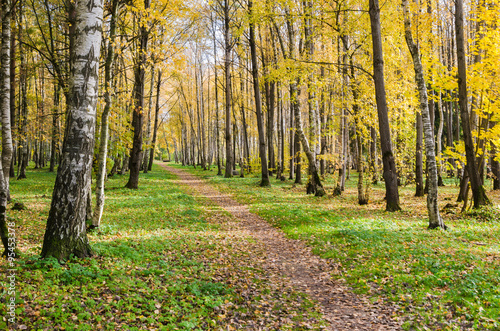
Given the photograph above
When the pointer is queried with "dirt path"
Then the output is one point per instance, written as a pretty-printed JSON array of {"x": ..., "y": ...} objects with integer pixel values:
[{"x": 310, "y": 274}]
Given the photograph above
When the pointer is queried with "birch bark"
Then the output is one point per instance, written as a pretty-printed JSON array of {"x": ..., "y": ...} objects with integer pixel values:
[
  {"x": 435, "y": 219},
  {"x": 7, "y": 148},
  {"x": 103, "y": 144},
  {"x": 66, "y": 233}
]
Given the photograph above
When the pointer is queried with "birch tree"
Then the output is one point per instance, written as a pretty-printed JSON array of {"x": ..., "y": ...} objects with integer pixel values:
[
  {"x": 103, "y": 144},
  {"x": 435, "y": 219},
  {"x": 7, "y": 149},
  {"x": 66, "y": 234}
]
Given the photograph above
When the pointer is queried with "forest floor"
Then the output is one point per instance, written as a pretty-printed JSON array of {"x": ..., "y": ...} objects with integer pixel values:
[
  {"x": 439, "y": 280},
  {"x": 169, "y": 257},
  {"x": 164, "y": 260},
  {"x": 281, "y": 256}
]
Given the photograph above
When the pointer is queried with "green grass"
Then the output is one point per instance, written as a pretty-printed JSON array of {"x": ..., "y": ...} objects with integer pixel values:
[
  {"x": 161, "y": 262},
  {"x": 447, "y": 280}
]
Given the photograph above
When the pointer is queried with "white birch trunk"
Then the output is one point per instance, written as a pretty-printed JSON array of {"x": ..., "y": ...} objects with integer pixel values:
[
  {"x": 103, "y": 144},
  {"x": 66, "y": 232},
  {"x": 7, "y": 149},
  {"x": 435, "y": 219},
  {"x": 439, "y": 138}
]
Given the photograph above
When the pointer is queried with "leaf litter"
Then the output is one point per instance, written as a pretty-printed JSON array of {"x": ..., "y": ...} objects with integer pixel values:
[{"x": 290, "y": 264}]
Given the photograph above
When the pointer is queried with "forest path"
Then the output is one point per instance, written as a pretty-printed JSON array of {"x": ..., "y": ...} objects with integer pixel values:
[{"x": 310, "y": 274}]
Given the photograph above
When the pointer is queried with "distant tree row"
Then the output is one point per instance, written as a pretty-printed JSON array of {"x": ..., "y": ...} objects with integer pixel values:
[{"x": 341, "y": 85}]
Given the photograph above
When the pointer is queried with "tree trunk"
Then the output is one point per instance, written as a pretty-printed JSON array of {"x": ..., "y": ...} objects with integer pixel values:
[
  {"x": 343, "y": 117},
  {"x": 464, "y": 185},
  {"x": 12, "y": 90},
  {"x": 244, "y": 125},
  {"x": 199, "y": 141},
  {"x": 362, "y": 191},
  {"x": 374, "y": 155},
  {"x": 155, "y": 128},
  {"x": 439, "y": 140},
  {"x": 435, "y": 219},
  {"x": 235, "y": 133},
  {"x": 478, "y": 192},
  {"x": 125, "y": 163},
  {"x": 176, "y": 152},
  {"x": 291, "y": 147},
  {"x": 103, "y": 144},
  {"x": 297, "y": 157},
  {"x": 314, "y": 185},
  {"x": 203, "y": 139},
  {"x": 145, "y": 160},
  {"x": 227, "y": 73},
  {"x": 419, "y": 166},
  {"x": 7, "y": 149},
  {"x": 65, "y": 234},
  {"x": 114, "y": 170},
  {"x": 390, "y": 172},
  {"x": 258, "y": 103},
  {"x": 138, "y": 118},
  {"x": 481, "y": 160},
  {"x": 23, "y": 132},
  {"x": 322, "y": 116},
  {"x": 449, "y": 136},
  {"x": 314, "y": 128},
  {"x": 281, "y": 136},
  {"x": 270, "y": 128},
  {"x": 216, "y": 88},
  {"x": 344, "y": 136},
  {"x": 495, "y": 167},
  {"x": 54, "y": 141}
]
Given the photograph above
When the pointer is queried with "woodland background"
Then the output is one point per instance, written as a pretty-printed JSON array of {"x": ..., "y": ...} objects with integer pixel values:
[{"x": 400, "y": 96}]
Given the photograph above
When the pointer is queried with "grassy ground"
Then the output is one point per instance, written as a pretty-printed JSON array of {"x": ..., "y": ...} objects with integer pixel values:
[
  {"x": 443, "y": 280},
  {"x": 164, "y": 261}
]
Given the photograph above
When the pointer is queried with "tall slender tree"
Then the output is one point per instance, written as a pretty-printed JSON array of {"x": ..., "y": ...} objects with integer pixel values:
[
  {"x": 258, "y": 102},
  {"x": 23, "y": 100},
  {"x": 138, "y": 112},
  {"x": 216, "y": 89},
  {"x": 435, "y": 219},
  {"x": 390, "y": 173},
  {"x": 227, "y": 75},
  {"x": 478, "y": 193},
  {"x": 103, "y": 143},
  {"x": 157, "y": 114}
]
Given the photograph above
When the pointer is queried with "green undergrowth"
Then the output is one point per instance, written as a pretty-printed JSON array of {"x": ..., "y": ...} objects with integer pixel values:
[
  {"x": 441, "y": 280},
  {"x": 159, "y": 265}
]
